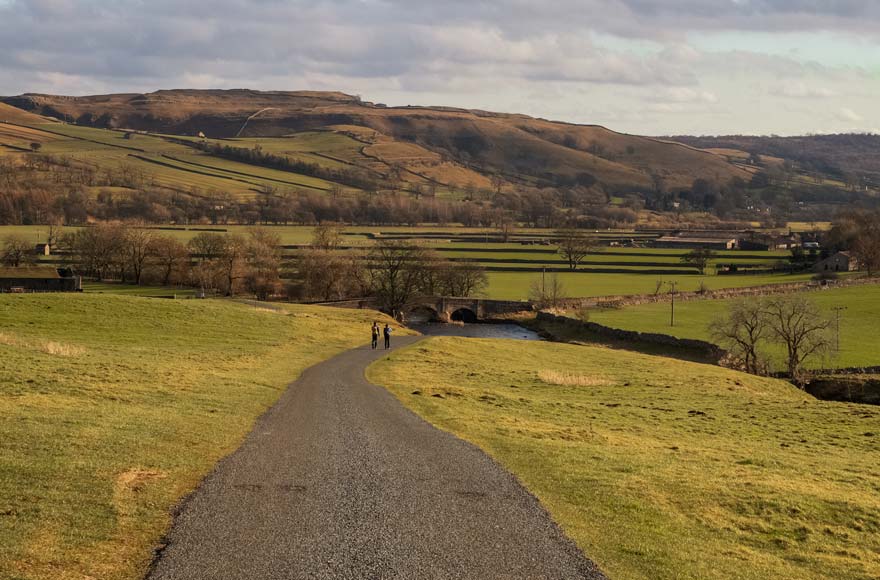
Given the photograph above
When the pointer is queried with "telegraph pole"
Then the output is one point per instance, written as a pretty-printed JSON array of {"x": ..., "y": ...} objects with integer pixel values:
[
  {"x": 672, "y": 288},
  {"x": 837, "y": 310}
]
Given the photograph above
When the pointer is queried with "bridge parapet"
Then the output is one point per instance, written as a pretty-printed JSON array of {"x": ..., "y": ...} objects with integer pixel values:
[{"x": 468, "y": 309}]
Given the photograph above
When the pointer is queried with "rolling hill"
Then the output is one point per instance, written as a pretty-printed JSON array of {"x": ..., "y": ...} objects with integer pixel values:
[{"x": 446, "y": 147}]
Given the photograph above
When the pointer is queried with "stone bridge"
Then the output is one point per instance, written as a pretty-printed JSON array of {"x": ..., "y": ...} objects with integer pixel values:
[{"x": 462, "y": 309}]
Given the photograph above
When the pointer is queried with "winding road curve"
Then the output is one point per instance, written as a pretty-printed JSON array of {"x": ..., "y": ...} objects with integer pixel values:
[{"x": 339, "y": 480}]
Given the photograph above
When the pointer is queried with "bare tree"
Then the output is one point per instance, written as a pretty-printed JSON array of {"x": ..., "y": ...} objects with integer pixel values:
[
  {"x": 98, "y": 251},
  {"x": 547, "y": 293},
  {"x": 798, "y": 324},
  {"x": 326, "y": 275},
  {"x": 396, "y": 271},
  {"x": 54, "y": 234},
  {"x": 460, "y": 279},
  {"x": 231, "y": 262},
  {"x": 262, "y": 276},
  {"x": 505, "y": 224},
  {"x": 137, "y": 247},
  {"x": 171, "y": 256},
  {"x": 17, "y": 251},
  {"x": 699, "y": 258},
  {"x": 741, "y": 331},
  {"x": 866, "y": 245},
  {"x": 327, "y": 236},
  {"x": 574, "y": 245}
]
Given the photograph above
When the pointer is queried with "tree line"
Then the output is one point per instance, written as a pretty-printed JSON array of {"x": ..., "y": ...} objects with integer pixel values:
[{"x": 391, "y": 271}]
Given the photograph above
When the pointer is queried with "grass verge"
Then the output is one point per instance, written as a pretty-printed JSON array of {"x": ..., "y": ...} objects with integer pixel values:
[
  {"x": 658, "y": 468},
  {"x": 114, "y": 407}
]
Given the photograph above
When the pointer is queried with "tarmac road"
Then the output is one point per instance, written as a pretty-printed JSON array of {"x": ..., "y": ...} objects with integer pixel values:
[{"x": 339, "y": 480}]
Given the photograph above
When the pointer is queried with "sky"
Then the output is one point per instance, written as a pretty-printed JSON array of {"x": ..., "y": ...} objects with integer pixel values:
[{"x": 650, "y": 67}]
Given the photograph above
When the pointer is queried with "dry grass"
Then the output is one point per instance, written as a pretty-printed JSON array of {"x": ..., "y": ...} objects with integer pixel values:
[
  {"x": 61, "y": 349},
  {"x": 48, "y": 346},
  {"x": 569, "y": 379},
  {"x": 674, "y": 470}
]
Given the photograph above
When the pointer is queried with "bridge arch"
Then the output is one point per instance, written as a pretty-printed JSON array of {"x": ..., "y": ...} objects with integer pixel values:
[
  {"x": 465, "y": 315},
  {"x": 421, "y": 313}
]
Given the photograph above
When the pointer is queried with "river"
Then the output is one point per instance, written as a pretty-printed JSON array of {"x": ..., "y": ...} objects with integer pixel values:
[{"x": 477, "y": 330}]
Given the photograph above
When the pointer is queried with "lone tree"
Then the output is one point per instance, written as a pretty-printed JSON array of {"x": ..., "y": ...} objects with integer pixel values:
[
  {"x": 35, "y": 147},
  {"x": 327, "y": 236},
  {"x": 574, "y": 245},
  {"x": 866, "y": 245},
  {"x": 17, "y": 251},
  {"x": 699, "y": 258},
  {"x": 799, "y": 325},
  {"x": 741, "y": 331},
  {"x": 396, "y": 272},
  {"x": 547, "y": 293},
  {"x": 171, "y": 257}
]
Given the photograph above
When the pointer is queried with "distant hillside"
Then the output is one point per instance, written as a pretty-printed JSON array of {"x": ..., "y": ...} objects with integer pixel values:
[
  {"x": 844, "y": 156},
  {"x": 479, "y": 148},
  {"x": 10, "y": 114}
]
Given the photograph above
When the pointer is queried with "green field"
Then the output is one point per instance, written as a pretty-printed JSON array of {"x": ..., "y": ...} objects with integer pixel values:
[
  {"x": 859, "y": 339},
  {"x": 112, "y": 408},
  {"x": 166, "y": 163},
  {"x": 662, "y": 469},
  {"x": 515, "y": 285}
]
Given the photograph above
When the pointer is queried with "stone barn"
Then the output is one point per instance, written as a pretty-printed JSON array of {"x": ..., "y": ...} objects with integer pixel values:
[
  {"x": 39, "y": 280},
  {"x": 839, "y": 262}
]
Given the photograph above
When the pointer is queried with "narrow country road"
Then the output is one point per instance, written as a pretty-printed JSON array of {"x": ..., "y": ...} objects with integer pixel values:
[{"x": 339, "y": 480}]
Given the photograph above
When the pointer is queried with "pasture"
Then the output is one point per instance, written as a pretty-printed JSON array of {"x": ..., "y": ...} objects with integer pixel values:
[
  {"x": 859, "y": 340},
  {"x": 161, "y": 161},
  {"x": 112, "y": 408},
  {"x": 662, "y": 469},
  {"x": 514, "y": 266}
]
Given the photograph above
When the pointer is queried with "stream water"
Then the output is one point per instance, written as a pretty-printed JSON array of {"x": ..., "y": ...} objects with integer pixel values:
[{"x": 477, "y": 330}]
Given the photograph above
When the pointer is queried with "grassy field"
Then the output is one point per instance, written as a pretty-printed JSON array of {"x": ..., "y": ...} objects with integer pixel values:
[
  {"x": 515, "y": 285},
  {"x": 859, "y": 340},
  {"x": 167, "y": 163},
  {"x": 91, "y": 287},
  {"x": 662, "y": 469},
  {"x": 112, "y": 408}
]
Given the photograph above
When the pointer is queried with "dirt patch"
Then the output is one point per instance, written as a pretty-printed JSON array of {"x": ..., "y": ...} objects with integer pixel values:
[
  {"x": 135, "y": 479},
  {"x": 569, "y": 379}
]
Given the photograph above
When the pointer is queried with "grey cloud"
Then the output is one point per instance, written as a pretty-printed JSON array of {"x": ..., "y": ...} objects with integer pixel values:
[{"x": 459, "y": 51}]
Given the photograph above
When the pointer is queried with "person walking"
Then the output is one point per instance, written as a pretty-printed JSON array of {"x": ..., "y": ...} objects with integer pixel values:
[
  {"x": 387, "y": 333},
  {"x": 375, "y": 342}
]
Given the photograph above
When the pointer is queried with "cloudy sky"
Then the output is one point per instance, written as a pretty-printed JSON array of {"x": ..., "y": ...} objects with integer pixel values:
[{"x": 640, "y": 66}]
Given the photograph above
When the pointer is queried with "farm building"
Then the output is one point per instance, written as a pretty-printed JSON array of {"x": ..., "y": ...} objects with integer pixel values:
[
  {"x": 839, "y": 262},
  {"x": 690, "y": 243},
  {"x": 38, "y": 280},
  {"x": 43, "y": 250}
]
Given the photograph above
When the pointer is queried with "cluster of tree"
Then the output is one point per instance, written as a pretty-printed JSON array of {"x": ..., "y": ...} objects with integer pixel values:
[
  {"x": 392, "y": 271},
  {"x": 858, "y": 232},
  {"x": 794, "y": 322},
  {"x": 213, "y": 262}
]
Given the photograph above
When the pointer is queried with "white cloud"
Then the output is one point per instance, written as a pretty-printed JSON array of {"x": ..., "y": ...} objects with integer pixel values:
[
  {"x": 801, "y": 90},
  {"x": 847, "y": 114}
]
